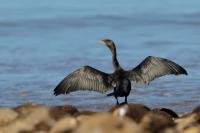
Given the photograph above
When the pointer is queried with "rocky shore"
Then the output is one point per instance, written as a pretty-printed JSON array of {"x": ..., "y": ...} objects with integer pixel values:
[{"x": 131, "y": 118}]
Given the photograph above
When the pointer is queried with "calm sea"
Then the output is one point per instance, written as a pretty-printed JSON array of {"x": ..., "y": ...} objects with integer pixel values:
[{"x": 43, "y": 41}]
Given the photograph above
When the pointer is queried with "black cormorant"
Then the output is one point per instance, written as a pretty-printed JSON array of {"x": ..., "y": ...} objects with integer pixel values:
[{"x": 89, "y": 78}]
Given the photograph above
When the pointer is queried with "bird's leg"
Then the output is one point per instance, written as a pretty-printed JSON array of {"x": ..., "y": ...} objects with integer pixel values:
[
  {"x": 117, "y": 100},
  {"x": 115, "y": 94},
  {"x": 126, "y": 102}
]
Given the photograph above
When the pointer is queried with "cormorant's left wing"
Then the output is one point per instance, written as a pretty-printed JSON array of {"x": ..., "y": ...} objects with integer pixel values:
[{"x": 154, "y": 67}]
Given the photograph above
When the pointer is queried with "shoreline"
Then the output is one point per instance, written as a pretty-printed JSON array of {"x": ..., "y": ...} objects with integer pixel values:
[{"x": 131, "y": 118}]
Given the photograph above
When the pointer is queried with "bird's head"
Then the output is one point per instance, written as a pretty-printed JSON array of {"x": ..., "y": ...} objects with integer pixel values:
[{"x": 109, "y": 43}]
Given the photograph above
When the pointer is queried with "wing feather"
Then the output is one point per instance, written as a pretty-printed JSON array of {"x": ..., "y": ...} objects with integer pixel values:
[
  {"x": 85, "y": 78},
  {"x": 154, "y": 67}
]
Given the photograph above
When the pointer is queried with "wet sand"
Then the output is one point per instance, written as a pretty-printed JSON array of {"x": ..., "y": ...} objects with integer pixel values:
[{"x": 131, "y": 118}]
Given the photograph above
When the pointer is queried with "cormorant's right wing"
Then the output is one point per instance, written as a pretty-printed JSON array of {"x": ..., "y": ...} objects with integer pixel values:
[{"x": 85, "y": 78}]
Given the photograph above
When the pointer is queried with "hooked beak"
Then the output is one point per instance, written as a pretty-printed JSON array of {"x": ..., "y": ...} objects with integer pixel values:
[{"x": 101, "y": 42}]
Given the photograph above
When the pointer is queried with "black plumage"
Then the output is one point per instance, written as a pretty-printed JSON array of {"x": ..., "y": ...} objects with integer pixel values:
[{"x": 88, "y": 78}]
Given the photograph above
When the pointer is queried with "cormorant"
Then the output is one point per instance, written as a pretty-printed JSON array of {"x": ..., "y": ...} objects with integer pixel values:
[{"x": 89, "y": 78}]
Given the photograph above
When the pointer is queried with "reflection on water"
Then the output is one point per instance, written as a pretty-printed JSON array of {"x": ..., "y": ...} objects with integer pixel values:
[{"x": 41, "y": 44}]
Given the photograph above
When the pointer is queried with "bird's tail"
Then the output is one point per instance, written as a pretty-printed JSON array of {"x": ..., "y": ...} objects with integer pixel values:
[{"x": 111, "y": 94}]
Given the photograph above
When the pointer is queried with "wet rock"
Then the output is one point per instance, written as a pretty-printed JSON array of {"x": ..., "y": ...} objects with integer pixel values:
[
  {"x": 163, "y": 113},
  {"x": 155, "y": 123},
  {"x": 61, "y": 111},
  {"x": 132, "y": 111},
  {"x": 65, "y": 125},
  {"x": 7, "y": 116},
  {"x": 38, "y": 119},
  {"x": 107, "y": 123},
  {"x": 168, "y": 111}
]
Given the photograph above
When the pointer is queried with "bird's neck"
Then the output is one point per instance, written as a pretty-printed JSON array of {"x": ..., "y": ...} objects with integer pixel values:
[{"x": 115, "y": 62}]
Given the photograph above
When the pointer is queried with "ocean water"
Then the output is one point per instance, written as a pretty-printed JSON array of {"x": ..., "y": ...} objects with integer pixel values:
[{"x": 41, "y": 42}]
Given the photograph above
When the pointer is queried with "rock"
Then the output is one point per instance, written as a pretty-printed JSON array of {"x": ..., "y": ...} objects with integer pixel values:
[
  {"x": 26, "y": 109},
  {"x": 82, "y": 118},
  {"x": 170, "y": 130},
  {"x": 196, "y": 110},
  {"x": 188, "y": 121},
  {"x": 133, "y": 111},
  {"x": 168, "y": 111},
  {"x": 61, "y": 111},
  {"x": 115, "y": 107},
  {"x": 84, "y": 113},
  {"x": 7, "y": 116},
  {"x": 66, "y": 124},
  {"x": 42, "y": 126},
  {"x": 192, "y": 130},
  {"x": 39, "y": 128},
  {"x": 163, "y": 113},
  {"x": 155, "y": 123},
  {"x": 131, "y": 118},
  {"x": 107, "y": 123},
  {"x": 38, "y": 119}
]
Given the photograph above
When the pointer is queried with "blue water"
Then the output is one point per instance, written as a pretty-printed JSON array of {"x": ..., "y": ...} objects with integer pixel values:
[{"x": 43, "y": 41}]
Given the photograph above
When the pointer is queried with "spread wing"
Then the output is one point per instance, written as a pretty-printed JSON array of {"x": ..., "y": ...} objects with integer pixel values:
[
  {"x": 154, "y": 67},
  {"x": 85, "y": 78}
]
